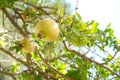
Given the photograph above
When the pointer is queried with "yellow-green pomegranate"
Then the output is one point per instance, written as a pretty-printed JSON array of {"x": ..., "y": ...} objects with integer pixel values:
[
  {"x": 47, "y": 30},
  {"x": 27, "y": 45}
]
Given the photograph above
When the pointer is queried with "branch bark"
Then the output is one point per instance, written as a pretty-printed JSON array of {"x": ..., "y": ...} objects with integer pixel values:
[
  {"x": 28, "y": 60},
  {"x": 95, "y": 62},
  {"x": 13, "y": 22},
  {"x": 8, "y": 74},
  {"x": 16, "y": 11},
  {"x": 37, "y": 7},
  {"x": 111, "y": 58},
  {"x": 11, "y": 55},
  {"x": 51, "y": 67}
]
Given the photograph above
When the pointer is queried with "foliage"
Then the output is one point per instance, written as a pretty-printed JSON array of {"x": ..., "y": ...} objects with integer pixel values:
[
  {"x": 7, "y": 3},
  {"x": 66, "y": 58}
]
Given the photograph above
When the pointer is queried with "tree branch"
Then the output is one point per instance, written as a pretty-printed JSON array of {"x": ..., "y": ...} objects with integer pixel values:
[
  {"x": 28, "y": 60},
  {"x": 47, "y": 75},
  {"x": 11, "y": 55},
  {"x": 16, "y": 11},
  {"x": 84, "y": 57},
  {"x": 68, "y": 63},
  {"x": 51, "y": 67},
  {"x": 37, "y": 7},
  {"x": 55, "y": 58},
  {"x": 111, "y": 58},
  {"x": 13, "y": 22},
  {"x": 8, "y": 74}
]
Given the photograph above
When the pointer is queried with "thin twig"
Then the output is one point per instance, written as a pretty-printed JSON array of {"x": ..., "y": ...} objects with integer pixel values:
[
  {"x": 111, "y": 58},
  {"x": 21, "y": 72},
  {"x": 37, "y": 7},
  {"x": 68, "y": 63},
  {"x": 16, "y": 11},
  {"x": 3, "y": 19},
  {"x": 76, "y": 6},
  {"x": 94, "y": 53},
  {"x": 109, "y": 54},
  {"x": 45, "y": 74},
  {"x": 73, "y": 20},
  {"x": 55, "y": 58}
]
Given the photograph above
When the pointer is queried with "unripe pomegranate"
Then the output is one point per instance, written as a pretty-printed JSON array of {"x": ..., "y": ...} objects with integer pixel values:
[
  {"x": 27, "y": 45},
  {"x": 47, "y": 30}
]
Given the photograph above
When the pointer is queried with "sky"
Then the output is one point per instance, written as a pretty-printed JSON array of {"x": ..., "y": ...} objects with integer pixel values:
[{"x": 103, "y": 11}]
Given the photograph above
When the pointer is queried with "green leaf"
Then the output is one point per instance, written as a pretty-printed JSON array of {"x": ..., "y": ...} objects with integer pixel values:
[
  {"x": 7, "y": 3},
  {"x": 37, "y": 77},
  {"x": 60, "y": 11},
  {"x": 77, "y": 75},
  {"x": 35, "y": 1},
  {"x": 77, "y": 15},
  {"x": 94, "y": 27},
  {"x": 117, "y": 62},
  {"x": 26, "y": 77},
  {"x": 109, "y": 57},
  {"x": 67, "y": 20}
]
